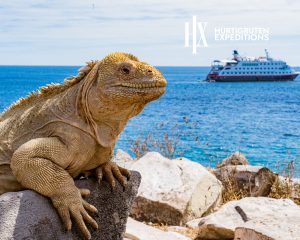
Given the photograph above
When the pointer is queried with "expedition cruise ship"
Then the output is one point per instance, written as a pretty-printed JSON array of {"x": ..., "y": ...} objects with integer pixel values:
[{"x": 243, "y": 69}]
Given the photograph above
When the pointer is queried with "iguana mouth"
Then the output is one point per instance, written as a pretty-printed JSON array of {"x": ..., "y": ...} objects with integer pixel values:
[{"x": 144, "y": 85}]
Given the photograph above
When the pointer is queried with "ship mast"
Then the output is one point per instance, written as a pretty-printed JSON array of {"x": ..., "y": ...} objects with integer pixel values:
[
  {"x": 267, "y": 54},
  {"x": 236, "y": 56}
]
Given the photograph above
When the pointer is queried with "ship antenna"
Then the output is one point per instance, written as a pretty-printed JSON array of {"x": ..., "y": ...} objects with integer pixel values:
[{"x": 267, "y": 53}]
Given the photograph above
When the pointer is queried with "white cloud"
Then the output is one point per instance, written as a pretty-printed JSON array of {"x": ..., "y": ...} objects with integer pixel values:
[{"x": 71, "y": 32}]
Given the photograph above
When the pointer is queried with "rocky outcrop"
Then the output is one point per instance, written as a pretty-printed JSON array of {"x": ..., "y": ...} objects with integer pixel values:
[
  {"x": 173, "y": 191},
  {"x": 251, "y": 218},
  {"x": 28, "y": 215},
  {"x": 139, "y": 231},
  {"x": 251, "y": 180},
  {"x": 123, "y": 159},
  {"x": 234, "y": 159}
]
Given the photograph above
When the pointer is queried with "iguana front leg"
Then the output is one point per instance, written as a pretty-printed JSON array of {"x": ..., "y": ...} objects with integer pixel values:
[
  {"x": 39, "y": 165},
  {"x": 110, "y": 171}
]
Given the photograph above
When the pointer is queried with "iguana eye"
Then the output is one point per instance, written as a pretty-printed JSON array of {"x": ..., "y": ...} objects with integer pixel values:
[{"x": 125, "y": 70}]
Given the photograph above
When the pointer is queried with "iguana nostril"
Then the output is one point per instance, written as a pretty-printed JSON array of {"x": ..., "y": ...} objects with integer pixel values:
[{"x": 149, "y": 71}]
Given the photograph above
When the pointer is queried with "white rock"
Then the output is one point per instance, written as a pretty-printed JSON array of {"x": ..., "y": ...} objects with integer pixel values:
[
  {"x": 266, "y": 218},
  {"x": 139, "y": 231},
  {"x": 173, "y": 191},
  {"x": 193, "y": 223},
  {"x": 123, "y": 159},
  {"x": 236, "y": 158}
]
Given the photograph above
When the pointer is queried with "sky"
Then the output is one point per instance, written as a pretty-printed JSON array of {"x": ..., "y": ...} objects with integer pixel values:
[{"x": 71, "y": 32}]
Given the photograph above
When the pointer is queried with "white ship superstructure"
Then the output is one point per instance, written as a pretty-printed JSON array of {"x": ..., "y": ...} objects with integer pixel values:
[{"x": 251, "y": 69}]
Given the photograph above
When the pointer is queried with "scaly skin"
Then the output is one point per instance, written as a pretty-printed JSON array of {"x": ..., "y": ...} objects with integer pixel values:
[{"x": 53, "y": 136}]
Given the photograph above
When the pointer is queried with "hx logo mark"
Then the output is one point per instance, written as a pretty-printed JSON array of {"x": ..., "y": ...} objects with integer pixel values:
[{"x": 197, "y": 40}]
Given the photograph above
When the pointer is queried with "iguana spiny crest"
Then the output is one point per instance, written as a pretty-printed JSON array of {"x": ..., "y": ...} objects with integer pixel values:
[{"x": 116, "y": 66}]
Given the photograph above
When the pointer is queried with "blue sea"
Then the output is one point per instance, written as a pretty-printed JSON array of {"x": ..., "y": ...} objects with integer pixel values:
[{"x": 202, "y": 121}]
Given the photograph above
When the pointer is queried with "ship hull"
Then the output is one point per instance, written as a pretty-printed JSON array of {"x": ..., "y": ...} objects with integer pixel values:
[{"x": 249, "y": 78}]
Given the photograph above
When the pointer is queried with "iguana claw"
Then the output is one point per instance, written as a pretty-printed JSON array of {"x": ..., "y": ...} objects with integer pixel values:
[
  {"x": 111, "y": 171},
  {"x": 74, "y": 206}
]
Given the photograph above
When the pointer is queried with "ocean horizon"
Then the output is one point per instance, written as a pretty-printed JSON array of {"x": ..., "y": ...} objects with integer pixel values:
[{"x": 206, "y": 121}]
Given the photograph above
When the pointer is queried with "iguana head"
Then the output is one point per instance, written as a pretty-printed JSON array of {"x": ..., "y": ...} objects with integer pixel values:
[
  {"x": 123, "y": 78},
  {"x": 114, "y": 90}
]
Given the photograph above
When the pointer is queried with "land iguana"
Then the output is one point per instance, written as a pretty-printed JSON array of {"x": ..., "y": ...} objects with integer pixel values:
[{"x": 63, "y": 130}]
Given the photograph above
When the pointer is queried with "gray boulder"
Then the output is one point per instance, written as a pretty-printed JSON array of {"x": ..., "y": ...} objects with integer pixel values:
[{"x": 28, "y": 215}]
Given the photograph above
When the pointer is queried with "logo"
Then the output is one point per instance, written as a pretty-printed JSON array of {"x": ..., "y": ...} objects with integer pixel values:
[
  {"x": 242, "y": 34},
  {"x": 198, "y": 34},
  {"x": 195, "y": 34}
]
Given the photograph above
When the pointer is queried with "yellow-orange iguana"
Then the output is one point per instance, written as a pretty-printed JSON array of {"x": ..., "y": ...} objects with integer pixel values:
[{"x": 62, "y": 130}]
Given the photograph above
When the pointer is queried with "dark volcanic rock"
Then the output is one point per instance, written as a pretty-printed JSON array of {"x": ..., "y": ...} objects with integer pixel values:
[{"x": 28, "y": 215}]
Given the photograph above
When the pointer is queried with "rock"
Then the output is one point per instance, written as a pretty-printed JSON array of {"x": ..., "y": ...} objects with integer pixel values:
[
  {"x": 295, "y": 192},
  {"x": 139, "y": 231},
  {"x": 28, "y": 215},
  {"x": 244, "y": 233},
  {"x": 186, "y": 231},
  {"x": 264, "y": 218},
  {"x": 236, "y": 158},
  {"x": 286, "y": 187},
  {"x": 193, "y": 223},
  {"x": 173, "y": 191},
  {"x": 264, "y": 180},
  {"x": 251, "y": 180},
  {"x": 177, "y": 228},
  {"x": 123, "y": 159},
  {"x": 242, "y": 173}
]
